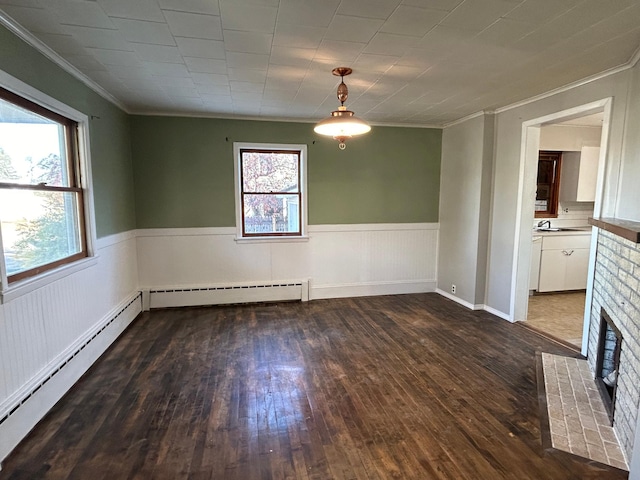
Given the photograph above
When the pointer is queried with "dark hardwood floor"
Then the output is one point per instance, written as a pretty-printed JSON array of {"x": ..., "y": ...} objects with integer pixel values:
[{"x": 408, "y": 386}]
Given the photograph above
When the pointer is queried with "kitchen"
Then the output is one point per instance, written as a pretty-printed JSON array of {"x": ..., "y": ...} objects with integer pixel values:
[{"x": 568, "y": 162}]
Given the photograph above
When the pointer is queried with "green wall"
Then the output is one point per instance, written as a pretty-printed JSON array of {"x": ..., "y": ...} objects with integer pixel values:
[
  {"x": 109, "y": 133},
  {"x": 183, "y": 172}
]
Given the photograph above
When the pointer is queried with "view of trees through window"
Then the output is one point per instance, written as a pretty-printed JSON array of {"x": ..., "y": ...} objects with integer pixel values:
[
  {"x": 270, "y": 192},
  {"x": 39, "y": 201}
]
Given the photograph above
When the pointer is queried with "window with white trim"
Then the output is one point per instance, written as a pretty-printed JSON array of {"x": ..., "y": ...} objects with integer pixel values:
[
  {"x": 270, "y": 190},
  {"x": 42, "y": 219}
]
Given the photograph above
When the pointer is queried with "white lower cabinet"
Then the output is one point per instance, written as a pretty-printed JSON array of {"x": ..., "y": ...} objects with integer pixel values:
[{"x": 564, "y": 263}]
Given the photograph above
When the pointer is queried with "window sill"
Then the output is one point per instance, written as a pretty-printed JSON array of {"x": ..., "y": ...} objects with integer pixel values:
[
  {"x": 303, "y": 238},
  {"x": 28, "y": 285}
]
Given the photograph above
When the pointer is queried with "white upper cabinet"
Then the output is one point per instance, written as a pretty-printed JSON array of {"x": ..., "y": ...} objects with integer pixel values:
[{"x": 578, "y": 175}]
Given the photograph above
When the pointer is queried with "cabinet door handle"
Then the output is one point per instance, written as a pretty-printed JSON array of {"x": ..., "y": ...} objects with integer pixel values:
[{"x": 567, "y": 253}]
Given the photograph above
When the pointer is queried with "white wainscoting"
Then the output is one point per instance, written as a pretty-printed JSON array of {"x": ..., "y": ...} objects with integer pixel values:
[
  {"x": 51, "y": 336},
  {"x": 336, "y": 260}
]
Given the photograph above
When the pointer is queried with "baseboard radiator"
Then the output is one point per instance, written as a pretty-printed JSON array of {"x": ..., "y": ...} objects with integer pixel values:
[
  {"x": 225, "y": 295},
  {"x": 20, "y": 412}
]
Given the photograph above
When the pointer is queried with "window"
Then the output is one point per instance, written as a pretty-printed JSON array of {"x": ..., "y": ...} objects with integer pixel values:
[
  {"x": 546, "y": 205},
  {"x": 270, "y": 190},
  {"x": 41, "y": 198}
]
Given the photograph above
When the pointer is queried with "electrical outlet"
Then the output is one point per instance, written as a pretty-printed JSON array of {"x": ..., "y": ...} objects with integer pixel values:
[
  {"x": 565, "y": 209},
  {"x": 453, "y": 288}
]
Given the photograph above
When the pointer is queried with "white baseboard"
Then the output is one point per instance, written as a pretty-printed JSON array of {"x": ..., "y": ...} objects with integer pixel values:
[
  {"x": 50, "y": 386},
  {"x": 318, "y": 292},
  {"x": 459, "y": 300},
  {"x": 497, "y": 313}
]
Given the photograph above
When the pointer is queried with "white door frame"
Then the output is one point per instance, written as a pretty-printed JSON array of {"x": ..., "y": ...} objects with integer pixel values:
[{"x": 526, "y": 203}]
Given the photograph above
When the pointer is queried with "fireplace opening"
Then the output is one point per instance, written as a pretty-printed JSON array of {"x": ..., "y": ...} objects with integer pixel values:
[{"x": 608, "y": 361}]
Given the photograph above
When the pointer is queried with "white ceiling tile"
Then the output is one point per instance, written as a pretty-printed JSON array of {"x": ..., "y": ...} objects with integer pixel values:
[
  {"x": 277, "y": 97},
  {"x": 140, "y": 31},
  {"x": 299, "y": 57},
  {"x": 157, "y": 53},
  {"x": 99, "y": 38},
  {"x": 262, "y": 3},
  {"x": 34, "y": 19},
  {"x": 249, "y": 87},
  {"x": 368, "y": 8},
  {"x": 288, "y": 35},
  {"x": 343, "y": 53},
  {"x": 353, "y": 29},
  {"x": 139, "y": 9},
  {"x": 283, "y": 81},
  {"x": 374, "y": 63},
  {"x": 489, "y": 61},
  {"x": 184, "y": 82},
  {"x": 199, "y": 47},
  {"x": 108, "y": 81},
  {"x": 447, "y": 5},
  {"x": 252, "y": 99},
  {"x": 390, "y": 44},
  {"x": 477, "y": 16},
  {"x": 212, "y": 89},
  {"x": 216, "y": 99},
  {"x": 505, "y": 31},
  {"x": 247, "y": 60},
  {"x": 194, "y": 6},
  {"x": 247, "y": 42},
  {"x": 129, "y": 72},
  {"x": 407, "y": 20},
  {"x": 183, "y": 24},
  {"x": 179, "y": 91},
  {"x": 311, "y": 13},
  {"x": 115, "y": 57},
  {"x": 63, "y": 44},
  {"x": 538, "y": 11},
  {"x": 247, "y": 75},
  {"x": 80, "y": 13},
  {"x": 206, "y": 65},
  {"x": 210, "y": 79},
  {"x": 167, "y": 69},
  {"x": 85, "y": 62},
  {"x": 22, "y": 3},
  {"x": 445, "y": 41},
  {"x": 248, "y": 18}
]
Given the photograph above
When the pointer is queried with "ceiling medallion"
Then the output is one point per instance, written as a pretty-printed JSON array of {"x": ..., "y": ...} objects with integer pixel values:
[{"x": 342, "y": 124}]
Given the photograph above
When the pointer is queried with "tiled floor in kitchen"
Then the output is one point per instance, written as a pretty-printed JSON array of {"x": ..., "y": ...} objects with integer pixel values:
[{"x": 560, "y": 315}]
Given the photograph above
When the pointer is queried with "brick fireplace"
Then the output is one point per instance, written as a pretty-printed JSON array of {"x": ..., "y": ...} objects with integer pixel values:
[{"x": 617, "y": 292}]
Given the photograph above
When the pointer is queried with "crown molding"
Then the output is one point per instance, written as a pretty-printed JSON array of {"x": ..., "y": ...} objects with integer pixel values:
[
  {"x": 469, "y": 117},
  {"x": 571, "y": 86},
  {"x": 635, "y": 58},
  {"x": 26, "y": 36},
  {"x": 216, "y": 116}
]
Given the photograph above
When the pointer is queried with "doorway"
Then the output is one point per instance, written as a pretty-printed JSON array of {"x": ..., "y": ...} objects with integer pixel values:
[{"x": 569, "y": 216}]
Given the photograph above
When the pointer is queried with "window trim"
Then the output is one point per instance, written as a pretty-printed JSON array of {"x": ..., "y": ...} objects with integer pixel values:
[
  {"x": 84, "y": 181},
  {"x": 276, "y": 147}
]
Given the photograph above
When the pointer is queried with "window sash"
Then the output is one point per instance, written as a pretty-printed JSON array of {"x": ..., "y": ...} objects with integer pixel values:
[
  {"x": 297, "y": 193},
  {"x": 73, "y": 180}
]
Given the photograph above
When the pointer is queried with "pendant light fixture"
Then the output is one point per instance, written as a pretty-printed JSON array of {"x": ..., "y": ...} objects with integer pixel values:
[{"x": 342, "y": 124}]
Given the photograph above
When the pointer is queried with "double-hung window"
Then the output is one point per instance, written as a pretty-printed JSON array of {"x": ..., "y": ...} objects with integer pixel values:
[
  {"x": 270, "y": 190},
  {"x": 41, "y": 197}
]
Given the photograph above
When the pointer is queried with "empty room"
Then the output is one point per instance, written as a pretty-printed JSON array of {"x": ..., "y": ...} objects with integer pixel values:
[{"x": 338, "y": 239}]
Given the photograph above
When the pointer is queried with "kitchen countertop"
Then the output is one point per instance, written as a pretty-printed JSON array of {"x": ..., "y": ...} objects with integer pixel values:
[{"x": 586, "y": 230}]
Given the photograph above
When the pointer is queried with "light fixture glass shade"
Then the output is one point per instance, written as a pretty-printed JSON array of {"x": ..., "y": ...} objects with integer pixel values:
[{"x": 341, "y": 123}]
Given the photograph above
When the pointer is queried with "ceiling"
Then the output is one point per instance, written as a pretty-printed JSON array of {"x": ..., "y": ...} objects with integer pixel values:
[{"x": 415, "y": 62}]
